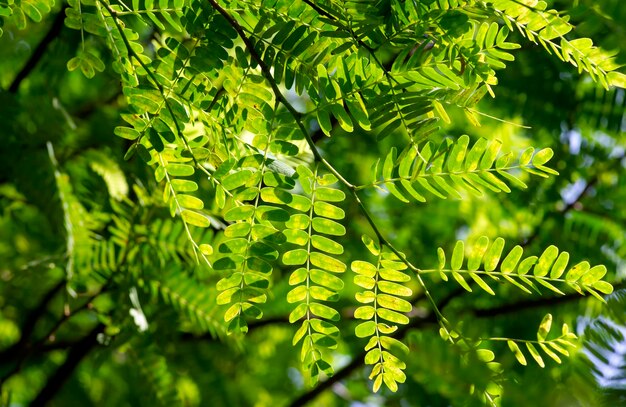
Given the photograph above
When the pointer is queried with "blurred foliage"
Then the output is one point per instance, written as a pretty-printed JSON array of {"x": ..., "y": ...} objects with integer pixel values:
[{"x": 224, "y": 203}]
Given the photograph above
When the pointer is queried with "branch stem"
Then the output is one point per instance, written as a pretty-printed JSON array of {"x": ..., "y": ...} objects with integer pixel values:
[{"x": 53, "y": 32}]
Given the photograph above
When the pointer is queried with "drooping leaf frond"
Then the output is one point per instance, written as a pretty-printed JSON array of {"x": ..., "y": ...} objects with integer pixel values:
[{"x": 313, "y": 229}]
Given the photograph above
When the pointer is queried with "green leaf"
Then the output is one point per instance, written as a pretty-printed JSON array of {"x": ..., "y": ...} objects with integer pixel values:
[
  {"x": 323, "y": 294},
  {"x": 182, "y": 185},
  {"x": 239, "y": 213},
  {"x": 298, "y": 313},
  {"x": 544, "y": 328},
  {"x": 481, "y": 283},
  {"x": 617, "y": 79},
  {"x": 394, "y": 275},
  {"x": 329, "y": 195},
  {"x": 371, "y": 245},
  {"x": 576, "y": 272},
  {"x": 517, "y": 352},
  {"x": 326, "y": 245},
  {"x": 441, "y": 255},
  {"x": 526, "y": 264},
  {"x": 365, "y": 312},
  {"x": 323, "y": 311},
  {"x": 323, "y": 119},
  {"x": 526, "y": 155},
  {"x": 295, "y": 257},
  {"x": 533, "y": 352},
  {"x": 393, "y": 344},
  {"x": 474, "y": 155},
  {"x": 559, "y": 265},
  {"x": 297, "y": 294},
  {"x": 179, "y": 170},
  {"x": 144, "y": 103},
  {"x": 549, "y": 286},
  {"x": 189, "y": 201},
  {"x": 459, "y": 279},
  {"x": 125, "y": 132},
  {"x": 365, "y": 329},
  {"x": 550, "y": 353},
  {"x": 510, "y": 261},
  {"x": 485, "y": 355},
  {"x": 477, "y": 252},
  {"x": 342, "y": 117},
  {"x": 359, "y": 112},
  {"x": 196, "y": 219},
  {"x": 366, "y": 282},
  {"x": 206, "y": 249},
  {"x": 326, "y": 262},
  {"x": 236, "y": 179},
  {"x": 542, "y": 157},
  {"x": 603, "y": 286},
  {"x": 593, "y": 275},
  {"x": 490, "y": 155},
  {"x": 394, "y": 288},
  {"x": 492, "y": 256},
  {"x": 328, "y": 210},
  {"x": 326, "y": 279},
  {"x": 328, "y": 227},
  {"x": 363, "y": 268},
  {"x": 393, "y": 303},
  {"x": 456, "y": 262}
]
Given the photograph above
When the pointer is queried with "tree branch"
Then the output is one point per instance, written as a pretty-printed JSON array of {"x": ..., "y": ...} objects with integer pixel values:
[
  {"x": 32, "y": 62},
  {"x": 74, "y": 357},
  {"x": 31, "y": 321},
  {"x": 27, "y": 348}
]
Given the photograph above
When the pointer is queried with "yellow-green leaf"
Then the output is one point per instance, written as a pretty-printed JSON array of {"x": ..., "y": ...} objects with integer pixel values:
[
  {"x": 196, "y": 219},
  {"x": 517, "y": 352}
]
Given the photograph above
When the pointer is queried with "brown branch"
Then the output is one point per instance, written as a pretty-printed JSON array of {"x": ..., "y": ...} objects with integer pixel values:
[{"x": 34, "y": 59}]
